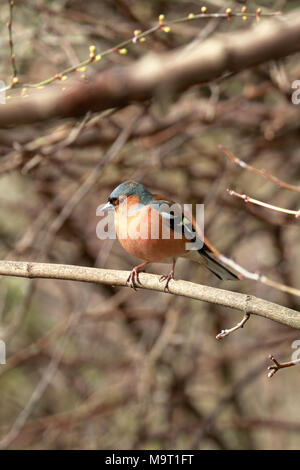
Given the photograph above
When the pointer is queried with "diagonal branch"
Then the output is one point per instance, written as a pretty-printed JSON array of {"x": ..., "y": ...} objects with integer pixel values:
[
  {"x": 158, "y": 74},
  {"x": 257, "y": 171},
  {"x": 249, "y": 199},
  {"x": 255, "y": 306}
]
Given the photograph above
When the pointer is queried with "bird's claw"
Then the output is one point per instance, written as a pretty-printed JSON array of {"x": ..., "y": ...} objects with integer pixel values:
[
  {"x": 167, "y": 278},
  {"x": 134, "y": 279}
]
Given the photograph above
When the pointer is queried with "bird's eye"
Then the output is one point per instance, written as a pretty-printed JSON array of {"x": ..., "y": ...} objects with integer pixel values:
[{"x": 113, "y": 200}]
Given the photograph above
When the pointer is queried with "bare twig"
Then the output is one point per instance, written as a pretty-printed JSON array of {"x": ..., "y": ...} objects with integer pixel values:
[
  {"x": 262, "y": 172},
  {"x": 245, "y": 274},
  {"x": 263, "y": 204},
  {"x": 277, "y": 365},
  {"x": 151, "y": 76},
  {"x": 140, "y": 36},
  {"x": 241, "y": 324},
  {"x": 14, "y": 79}
]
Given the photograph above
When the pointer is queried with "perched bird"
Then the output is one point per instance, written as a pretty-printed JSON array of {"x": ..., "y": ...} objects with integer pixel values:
[{"x": 142, "y": 220}]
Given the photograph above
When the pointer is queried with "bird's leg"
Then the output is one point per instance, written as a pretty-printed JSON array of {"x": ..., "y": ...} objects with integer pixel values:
[
  {"x": 133, "y": 277},
  {"x": 168, "y": 277}
]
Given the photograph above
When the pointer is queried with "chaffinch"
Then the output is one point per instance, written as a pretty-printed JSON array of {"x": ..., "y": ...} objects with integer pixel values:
[{"x": 142, "y": 220}]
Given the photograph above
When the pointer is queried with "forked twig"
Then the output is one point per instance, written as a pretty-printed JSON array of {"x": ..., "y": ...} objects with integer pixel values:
[{"x": 277, "y": 365}]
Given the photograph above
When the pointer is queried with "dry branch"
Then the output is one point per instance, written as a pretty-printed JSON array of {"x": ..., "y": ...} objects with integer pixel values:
[
  {"x": 239, "y": 325},
  {"x": 242, "y": 302},
  {"x": 257, "y": 171},
  {"x": 249, "y": 199},
  {"x": 155, "y": 75},
  {"x": 280, "y": 365}
]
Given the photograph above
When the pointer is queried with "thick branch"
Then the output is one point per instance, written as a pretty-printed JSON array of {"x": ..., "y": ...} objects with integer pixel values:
[
  {"x": 242, "y": 302},
  {"x": 156, "y": 75}
]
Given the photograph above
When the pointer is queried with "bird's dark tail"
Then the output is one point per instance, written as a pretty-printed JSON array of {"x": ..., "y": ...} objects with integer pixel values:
[{"x": 215, "y": 266}]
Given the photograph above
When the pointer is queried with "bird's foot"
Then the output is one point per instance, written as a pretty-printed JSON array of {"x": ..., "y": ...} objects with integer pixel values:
[
  {"x": 133, "y": 277},
  {"x": 167, "y": 278}
]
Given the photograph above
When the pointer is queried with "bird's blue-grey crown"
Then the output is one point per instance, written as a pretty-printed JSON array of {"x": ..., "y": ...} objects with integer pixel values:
[{"x": 129, "y": 188}]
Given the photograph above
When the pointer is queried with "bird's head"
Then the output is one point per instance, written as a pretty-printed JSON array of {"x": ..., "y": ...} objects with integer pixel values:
[{"x": 125, "y": 191}]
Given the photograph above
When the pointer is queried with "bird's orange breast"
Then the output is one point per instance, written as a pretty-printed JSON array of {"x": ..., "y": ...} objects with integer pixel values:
[{"x": 143, "y": 233}]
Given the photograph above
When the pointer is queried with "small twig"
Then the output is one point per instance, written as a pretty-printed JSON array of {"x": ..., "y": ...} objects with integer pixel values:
[
  {"x": 245, "y": 274},
  {"x": 14, "y": 79},
  {"x": 142, "y": 79},
  {"x": 262, "y": 172},
  {"x": 239, "y": 325},
  {"x": 263, "y": 204},
  {"x": 140, "y": 36},
  {"x": 278, "y": 365}
]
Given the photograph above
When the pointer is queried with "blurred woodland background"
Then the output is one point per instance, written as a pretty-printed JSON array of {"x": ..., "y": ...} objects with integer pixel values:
[{"x": 99, "y": 367}]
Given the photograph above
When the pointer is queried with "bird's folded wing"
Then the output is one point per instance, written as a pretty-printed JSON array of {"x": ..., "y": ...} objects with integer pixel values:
[{"x": 173, "y": 215}]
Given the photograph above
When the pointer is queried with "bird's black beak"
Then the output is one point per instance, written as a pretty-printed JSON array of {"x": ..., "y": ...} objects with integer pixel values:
[{"x": 108, "y": 207}]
